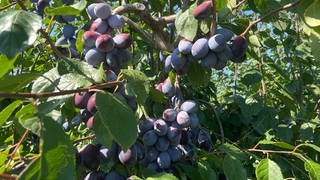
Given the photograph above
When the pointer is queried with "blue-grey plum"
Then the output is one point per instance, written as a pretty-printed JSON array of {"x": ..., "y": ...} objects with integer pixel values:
[
  {"x": 113, "y": 59},
  {"x": 217, "y": 43},
  {"x": 169, "y": 114},
  {"x": 76, "y": 120},
  {"x": 124, "y": 55},
  {"x": 102, "y": 10},
  {"x": 145, "y": 125},
  {"x": 160, "y": 127},
  {"x": 183, "y": 119},
  {"x": 173, "y": 132},
  {"x": 116, "y": 21},
  {"x": 68, "y": 30},
  {"x": 162, "y": 144},
  {"x": 100, "y": 26},
  {"x": 210, "y": 60},
  {"x": 189, "y": 106},
  {"x": 203, "y": 10},
  {"x": 105, "y": 43},
  {"x": 194, "y": 120},
  {"x": 176, "y": 140},
  {"x": 164, "y": 160},
  {"x": 90, "y": 156},
  {"x": 184, "y": 70},
  {"x": 62, "y": 42},
  {"x": 95, "y": 175},
  {"x": 89, "y": 39},
  {"x": 200, "y": 48},
  {"x": 239, "y": 47},
  {"x": 168, "y": 88},
  {"x": 228, "y": 52},
  {"x": 175, "y": 154},
  {"x": 111, "y": 76},
  {"x": 129, "y": 156},
  {"x": 185, "y": 46},
  {"x": 167, "y": 64},
  {"x": 151, "y": 154},
  {"x": 177, "y": 60},
  {"x": 204, "y": 140},
  {"x": 227, "y": 33},
  {"x": 222, "y": 61},
  {"x": 149, "y": 138},
  {"x": 90, "y": 11},
  {"x": 122, "y": 40},
  {"x": 94, "y": 57},
  {"x": 68, "y": 18},
  {"x": 141, "y": 150}
]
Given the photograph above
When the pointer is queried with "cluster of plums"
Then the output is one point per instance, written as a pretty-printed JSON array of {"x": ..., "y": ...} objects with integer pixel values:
[
  {"x": 100, "y": 46},
  {"x": 161, "y": 143}
]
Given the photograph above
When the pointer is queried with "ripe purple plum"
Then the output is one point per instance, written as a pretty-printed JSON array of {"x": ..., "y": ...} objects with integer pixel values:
[
  {"x": 89, "y": 123},
  {"x": 210, "y": 60},
  {"x": 175, "y": 154},
  {"x": 200, "y": 48},
  {"x": 167, "y": 64},
  {"x": 91, "y": 105},
  {"x": 239, "y": 48},
  {"x": 194, "y": 120},
  {"x": 99, "y": 26},
  {"x": 160, "y": 127},
  {"x": 69, "y": 18},
  {"x": 105, "y": 43},
  {"x": 81, "y": 100},
  {"x": 102, "y": 10},
  {"x": 169, "y": 114},
  {"x": 94, "y": 57},
  {"x": 227, "y": 33},
  {"x": 90, "y": 11},
  {"x": 183, "y": 119},
  {"x": 149, "y": 138},
  {"x": 173, "y": 132},
  {"x": 189, "y": 106},
  {"x": 203, "y": 10},
  {"x": 185, "y": 46},
  {"x": 177, "y": 60},
  {"x": 162, "y": 144},
  {"x": 90, "y": 156},
  {"x": 128, "y": 157},
  {"x": 152, "y": 154},
  {"x": 89, "y": 38},
  {"x": 217, "y": 43},
  {"x": 68, "y": 30},
  {"x": 164, "y": 160},
  {"x": 167, "y": 88},
  {"x": 116, "y": 21},
  {"x": 145, "y": 125},
  {"x": 122, "y": 40}
]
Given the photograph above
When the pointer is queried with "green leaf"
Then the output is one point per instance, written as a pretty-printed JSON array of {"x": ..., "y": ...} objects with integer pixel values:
[
  {"x": 28, "y": 119},
  {"x": 198, "y": 76},
  {"x": 232, "y": 150},
  {"x": 103, "y": 134},
  {"x": 117, "y": 118},
  {"x": 268, "y": 170},
  {"x": 253, "y": 39},
  {"x": 191, "y": 171},
  {"x": 233, "y": 168},
  {"x": 3, "y": 159},
  {"x": 79, "y": 43},
  {"x": 162, "y": 176},
  {"x": 315, "y": 41},
  {"x": 221, "y": 4},
  {"x": 251, "y": 77},
  {"x": 157, "y": 96},
  {"x": 57, "y": 160},
  {"x": 311, "y": 15},
  {"x": 10, "y": 83},
  {"x": 205, "y": 26},
  {"x": 137, "y": 84},
  {"x": 46, "y": 82},
  {"x": 313, "y": 146},
  {"x": 278, "y": 144},
  {"x": 18, "y": 30},
  {"x": 205, "y": 171},
  {"x": 6, "y": 113},
  {"x": 313, "y": 169},
  {"x": 186, "y": 24},
  {"x": 74, "y": 9},
  {"x": 6, "y": 64}
]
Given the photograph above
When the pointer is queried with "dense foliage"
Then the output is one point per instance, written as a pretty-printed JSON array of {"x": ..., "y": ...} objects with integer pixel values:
[{"x": 219, "y": 89}]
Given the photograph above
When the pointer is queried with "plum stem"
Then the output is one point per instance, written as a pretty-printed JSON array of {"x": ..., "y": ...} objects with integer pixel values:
[
  {"x": 214, "y": 18},
  {"x": 287, "y": 6}
]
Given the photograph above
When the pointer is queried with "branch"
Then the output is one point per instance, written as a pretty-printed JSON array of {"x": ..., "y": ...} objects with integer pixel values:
[
  {"x": 217, "y": 117},
  {"x": 83, "y": 139},
  {"x": 64, "y": 92},
  {"x": 214, "y": 18},
  {"x": 268, "y": 15},
  {"x": 7, "y": 6},
  {"x": 44, "y": 33}
]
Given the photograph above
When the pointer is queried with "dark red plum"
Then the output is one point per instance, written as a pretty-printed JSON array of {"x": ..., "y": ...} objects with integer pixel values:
[
  {"x": 102, "y": 10},
  {"x": 116, "y": 21},
  {"x": 210, "y": 60},
  {"x": 217, "y": 43},
  {"x": 183, "y": 119},
  {"x": 239, "y": 48},
  {"x": 185, "y": 46},
  {"x": 94, "y": 57},
  {"x": 160, "y": 127},
  {"x": 200, "y": 48},
  {"x": 122, "y": 40},
  {"x": 89, "y": 38},
  {"x": 68, "y": 30},
  {"x": 128, "y": 157},
  {"x": 90, "y": 156},
  {"x": 203, "y": 10},
  {"x": 105, "y": 43},
  {"x": 169, "y": 114},
  {"x": 81, "y": 100},
  {"x": 91, "y": 105},
  {"x": 89, "y": 123},
  {"x": 164, "y": 160},
  {"x": 100, "y": 26},
  {"x": 189, "y": 106}
]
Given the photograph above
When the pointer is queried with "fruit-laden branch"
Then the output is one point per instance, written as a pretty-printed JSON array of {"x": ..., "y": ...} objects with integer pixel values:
[
  {"x": 287, "y": 6},
  {"x": 44, "y": 33},
  {"x": 60, "y": 93}
]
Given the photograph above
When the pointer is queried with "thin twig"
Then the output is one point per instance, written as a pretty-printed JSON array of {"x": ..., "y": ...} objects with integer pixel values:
[
  {"x": 83, "y": 139},
  {"x": 268, "y": 15},
  {"x": 17, "y": 147},
  {"x": 264, "y": 151},
  {"x": 214, "y": 18},
  {"x": 217, "y": 117},
  {"x": 7, "y": 6},
  {"x": 64, "y": 92}
]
